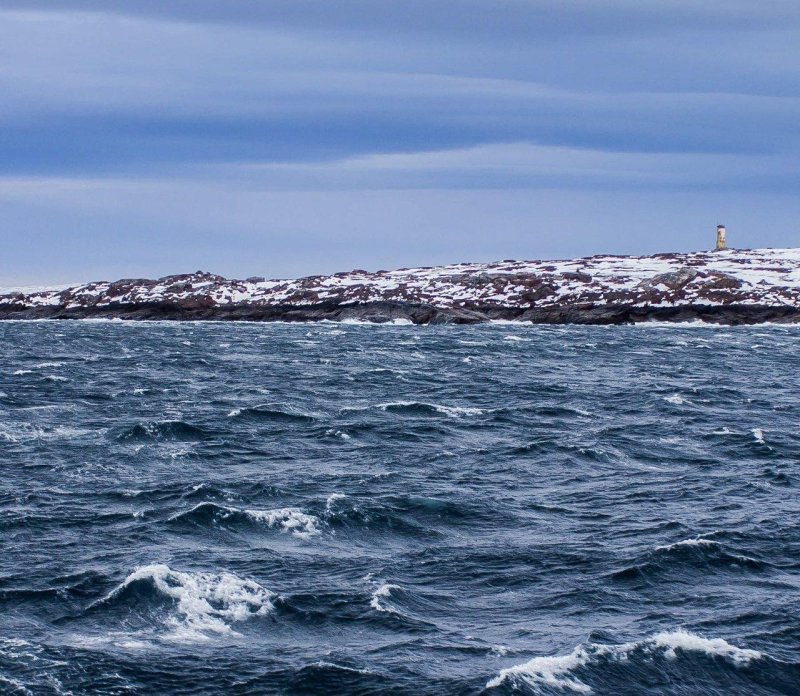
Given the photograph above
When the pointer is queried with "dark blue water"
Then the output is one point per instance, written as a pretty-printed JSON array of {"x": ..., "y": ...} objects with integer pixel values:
[{"x": 314, "y": 509}]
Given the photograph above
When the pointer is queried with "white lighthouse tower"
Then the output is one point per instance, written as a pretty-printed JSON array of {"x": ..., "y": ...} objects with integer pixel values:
[{"x": 721, "y": 244}]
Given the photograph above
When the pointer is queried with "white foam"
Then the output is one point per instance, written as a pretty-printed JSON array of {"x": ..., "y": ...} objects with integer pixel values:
[
  {"x": 19, "y": 373},
  {"x": 343, "y": 668},
  {"x": 548, "y": 671},
  {"x": 26, "y": 431},
  {"x": 289, "y": 520},
  {"x": 205, "y": 602},
  {"x": 383, "y": 592},
  {"x": 555, "y": 670},
  {"x": 338, "y": 433},
  {"x": 452, "y": 411},
  {"x": 675, "y": 399},
  {"x": 697, "y": 541},
  {"x": 723, "y": 431},
  {"x": 688, "y": 642},
  {"x": 15, "y": 686},
  {"x": 758, "y": 434},
  {"x": 332, "y": 498}
]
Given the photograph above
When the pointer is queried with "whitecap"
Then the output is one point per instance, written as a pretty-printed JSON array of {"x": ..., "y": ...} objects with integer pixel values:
[
  {"x": 499, "y": 650},
  {"x": 548, "y": 671},
  {"x": 697, "y": 541},
  {"x": 332, "y": 498},
  {"x": 723, "y": 431},
  {"x": 383, "y": 592},
  {"x": 205, "y": 602},
  {"x": 675, "y": 399},
  {"x": 555, "y": 670},
  {"x": 7, "y": 434},
  {"x": 452, "y": 411},
  {"x": 15, "y": 686},
  {"x": 289, "y": 520},
  {"x": 688, "y": 642},
  {"x": 337, "y": 433},
  {"x": 758, "y": 434},
  {"x": 18, "y": 373}
]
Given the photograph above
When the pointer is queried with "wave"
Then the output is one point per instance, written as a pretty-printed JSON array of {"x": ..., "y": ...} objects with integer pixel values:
[
  {"x": 653, "y": 653},
  {"x": 203, "y": 602},
  {"x": 383, "y": 592},
  {"x": 407, "y": 515},
  {"x": 272, "y": 412},
  {"x": 289, "y": 520},
  {"x": 22, "y": 432},
  {"x": 697, "y": 541},
  {"x": 163, "y": 430},
  {"x": 698, "y": 552},
  {"x": 676, "y": 399},
  {"x": 414, "y": 408}
]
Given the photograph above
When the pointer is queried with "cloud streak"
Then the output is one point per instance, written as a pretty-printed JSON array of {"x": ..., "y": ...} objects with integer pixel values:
[{"x": 243, "y": 102}]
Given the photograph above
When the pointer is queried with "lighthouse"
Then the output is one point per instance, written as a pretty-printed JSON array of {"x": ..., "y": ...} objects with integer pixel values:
[{"x": 721, "y": 244}]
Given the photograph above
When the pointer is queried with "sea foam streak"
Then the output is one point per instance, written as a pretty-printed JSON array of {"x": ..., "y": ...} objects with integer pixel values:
[
  {"x": 205, "y": 602},
  {"x": 554, "y": 671},
  {"x": 697, "y": 541}
]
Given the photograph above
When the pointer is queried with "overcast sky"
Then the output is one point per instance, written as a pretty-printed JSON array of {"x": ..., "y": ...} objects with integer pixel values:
[{"x": 293, "y": 137}]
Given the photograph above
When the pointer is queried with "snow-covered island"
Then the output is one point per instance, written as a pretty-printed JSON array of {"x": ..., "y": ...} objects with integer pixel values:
[{"x": 724, "y": 287}]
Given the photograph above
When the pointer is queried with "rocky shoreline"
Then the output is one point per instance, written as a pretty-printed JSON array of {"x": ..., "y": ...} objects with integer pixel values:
[
  {"x": 385, "y": 312},
  {"x": 730, "y": 288}
]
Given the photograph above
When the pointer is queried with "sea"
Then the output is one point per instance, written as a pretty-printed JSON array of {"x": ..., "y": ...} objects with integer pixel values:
[{"x": 242, "y": 508}]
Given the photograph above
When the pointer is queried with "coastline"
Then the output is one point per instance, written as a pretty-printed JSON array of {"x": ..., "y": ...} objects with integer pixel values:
[
  {"x": 731, "y": 287},
  {"x": 419, "y": 314}
]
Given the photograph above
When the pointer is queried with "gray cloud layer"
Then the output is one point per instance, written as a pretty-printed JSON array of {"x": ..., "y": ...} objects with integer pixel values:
[{"x": 263, "y": 104}]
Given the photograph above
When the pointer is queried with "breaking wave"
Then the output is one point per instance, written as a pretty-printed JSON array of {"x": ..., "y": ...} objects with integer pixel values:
[
  {"x": 420, "y": 408},
  {"x": 383, "y": 592},
  {"x": 204, "y": 603},
  {"x": 289, "y": 520},
  {"x": 653, "y": 655}
]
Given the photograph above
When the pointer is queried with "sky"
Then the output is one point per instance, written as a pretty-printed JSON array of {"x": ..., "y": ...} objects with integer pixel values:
[{"x": 282, "y": 138}]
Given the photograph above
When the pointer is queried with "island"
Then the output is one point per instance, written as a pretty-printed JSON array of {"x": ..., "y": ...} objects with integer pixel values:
[{"x": 728, "y": 286}]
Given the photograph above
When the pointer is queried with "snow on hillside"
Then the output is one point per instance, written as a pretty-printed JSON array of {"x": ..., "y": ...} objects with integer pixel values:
[{"x": 758, "y": 277}]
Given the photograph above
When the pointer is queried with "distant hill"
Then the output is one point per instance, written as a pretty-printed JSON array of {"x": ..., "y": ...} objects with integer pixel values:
[{"x": 727, "y": 287}]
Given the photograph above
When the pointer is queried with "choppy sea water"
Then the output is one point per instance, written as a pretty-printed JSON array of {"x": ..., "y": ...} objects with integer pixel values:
[{"x": 315, "y": 509}]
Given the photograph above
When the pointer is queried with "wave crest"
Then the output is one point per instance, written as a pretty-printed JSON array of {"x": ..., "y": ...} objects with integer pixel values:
[
  {"x": 557, "y": 671},
  {"x": 289, "y": 520},
  {"x": 204, "y": 602},
  {"x": 163, "y": 430}
]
